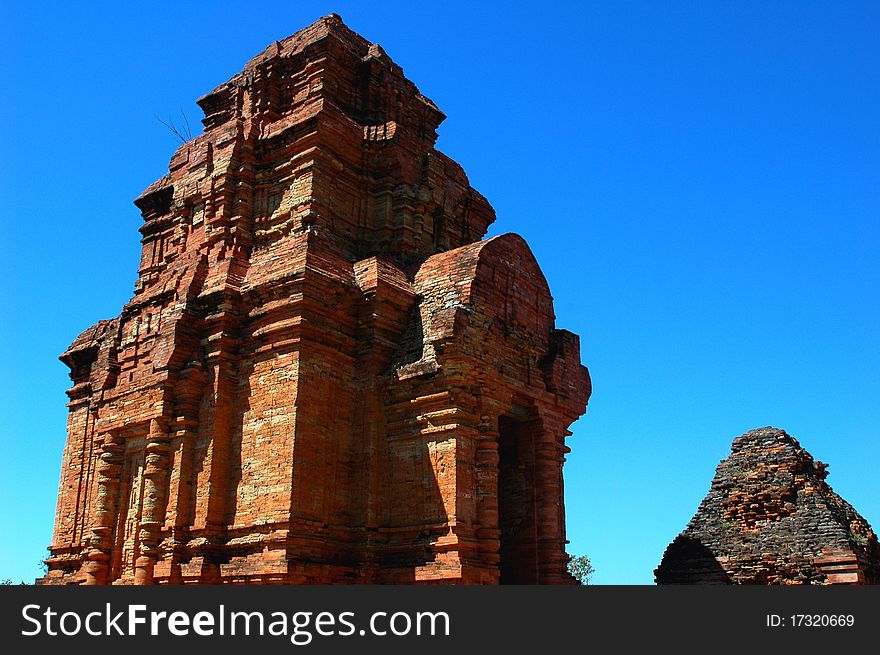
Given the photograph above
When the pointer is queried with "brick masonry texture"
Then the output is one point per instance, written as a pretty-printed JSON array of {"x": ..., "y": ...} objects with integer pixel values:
[
  {"x": 770, "y": 518},
  {"x": 324, "y": 375}
]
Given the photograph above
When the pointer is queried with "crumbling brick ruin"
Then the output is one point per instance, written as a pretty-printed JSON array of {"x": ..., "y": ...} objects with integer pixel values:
[
  {"x": 770, "y": 518},
  {"x": 324, "y": 375}
]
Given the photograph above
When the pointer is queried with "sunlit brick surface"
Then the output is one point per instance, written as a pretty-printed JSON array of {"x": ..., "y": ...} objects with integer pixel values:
[{"x": 324, "y": 375}]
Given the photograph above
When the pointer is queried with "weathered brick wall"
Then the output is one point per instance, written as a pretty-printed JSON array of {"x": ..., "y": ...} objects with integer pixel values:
[
  {"x": 323, "y": 375},
  {"x": 770, "y": 518}
]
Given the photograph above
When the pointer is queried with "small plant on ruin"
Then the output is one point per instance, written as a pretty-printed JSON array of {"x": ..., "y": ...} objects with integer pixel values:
[
  {"x": 581, "y": 568},
  {"x": 181, "y": 132}
]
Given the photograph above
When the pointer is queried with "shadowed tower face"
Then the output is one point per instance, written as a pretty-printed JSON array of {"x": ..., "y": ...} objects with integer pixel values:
[{"x": 324, "y": 375}]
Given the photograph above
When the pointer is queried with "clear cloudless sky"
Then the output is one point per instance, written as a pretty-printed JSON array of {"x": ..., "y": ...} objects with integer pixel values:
[{"x": 700, "y": 182}]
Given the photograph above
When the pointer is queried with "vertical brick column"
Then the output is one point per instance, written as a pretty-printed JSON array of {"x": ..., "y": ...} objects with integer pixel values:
[
  {"x": 551, "y": 555},
  {"x": 178, "y": 509},
  {"x": 218, "y": 496},
  {"x": 156, "y": 462},
  {"x": 112, "y": 454},
  {"x": 486, "y": 473}
]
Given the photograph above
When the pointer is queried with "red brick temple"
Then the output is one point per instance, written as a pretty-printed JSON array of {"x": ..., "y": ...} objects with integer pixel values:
[{"x": 324, "y": 374}]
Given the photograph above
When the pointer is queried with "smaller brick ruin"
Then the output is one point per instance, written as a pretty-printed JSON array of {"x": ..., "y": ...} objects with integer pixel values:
[{"x": 770, "y": 518}]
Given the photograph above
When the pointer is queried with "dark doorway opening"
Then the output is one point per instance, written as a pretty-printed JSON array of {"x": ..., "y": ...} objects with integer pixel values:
[{"x": 516, "y": 501}]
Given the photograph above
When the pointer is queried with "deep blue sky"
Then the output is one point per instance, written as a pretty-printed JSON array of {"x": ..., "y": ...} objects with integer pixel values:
[{"x": 699, "y": 180}]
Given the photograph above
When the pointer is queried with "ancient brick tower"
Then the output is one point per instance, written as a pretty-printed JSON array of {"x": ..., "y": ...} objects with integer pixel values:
[
  {"x": 324, "y": 375},
  {"x": 770, "y": 518}
]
